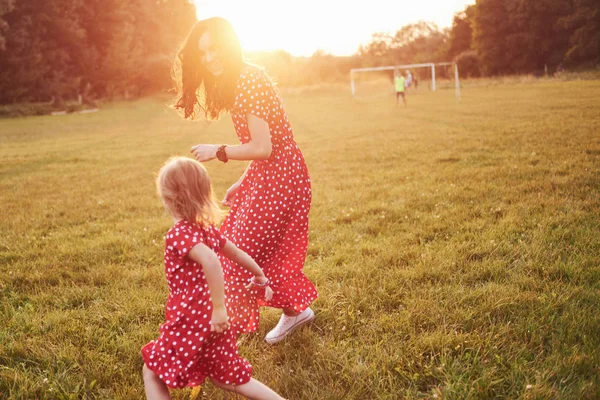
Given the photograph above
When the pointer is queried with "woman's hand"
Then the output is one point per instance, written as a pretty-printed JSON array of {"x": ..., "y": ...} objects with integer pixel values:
[
  {"x": 219, "y": 320},
  {"x": 204, "y": 152},
  {"x": 268, "y": 293},
  {"x": 261, "y": 280},
  {"x": 230, "y": 194}
]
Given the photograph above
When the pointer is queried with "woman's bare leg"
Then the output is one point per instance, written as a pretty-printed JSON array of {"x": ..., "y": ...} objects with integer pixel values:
[
  {"x": 290, "y": 312},
  {"x": 154, "y": 386}
]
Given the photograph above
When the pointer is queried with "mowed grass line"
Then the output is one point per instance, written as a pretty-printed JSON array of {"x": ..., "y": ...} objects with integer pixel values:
[{"x": 454, "y": 246}]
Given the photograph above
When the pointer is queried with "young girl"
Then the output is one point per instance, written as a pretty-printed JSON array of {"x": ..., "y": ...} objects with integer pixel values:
[
  {"x": 195, "y": 341},
  {"x": 270, "y": 203}
]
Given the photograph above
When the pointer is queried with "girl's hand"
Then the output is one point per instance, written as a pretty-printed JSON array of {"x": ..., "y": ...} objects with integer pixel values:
[
  {"x": 230, "y": 194},
  {"x": 219, "y": 320},
  {"x": 204, "y": 152},
  {"x": 261, "y": 280}
]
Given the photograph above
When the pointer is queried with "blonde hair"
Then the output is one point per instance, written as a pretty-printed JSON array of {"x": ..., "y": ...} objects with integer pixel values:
[{"x": 184, "y": 187}]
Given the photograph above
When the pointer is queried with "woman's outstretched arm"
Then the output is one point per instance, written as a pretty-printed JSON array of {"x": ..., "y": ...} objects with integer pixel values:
[{"x": 259, "y": 147}]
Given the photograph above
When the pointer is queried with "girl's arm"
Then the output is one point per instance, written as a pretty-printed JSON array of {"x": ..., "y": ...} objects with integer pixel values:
[
  {"x": 259, "y": 147},
  {"x": 238, "y": 256},
  {"x": 213, "y": 273}
]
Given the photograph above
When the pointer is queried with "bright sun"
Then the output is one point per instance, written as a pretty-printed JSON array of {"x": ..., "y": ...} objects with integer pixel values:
[
  {"x": 335, "y": 26},
  {"x": 256, "y": 26}
]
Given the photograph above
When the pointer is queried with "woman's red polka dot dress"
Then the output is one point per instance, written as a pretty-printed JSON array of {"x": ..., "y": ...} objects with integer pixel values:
[
  {"x": 269, "y": 216},
  {"x": 186, "y": 352}
]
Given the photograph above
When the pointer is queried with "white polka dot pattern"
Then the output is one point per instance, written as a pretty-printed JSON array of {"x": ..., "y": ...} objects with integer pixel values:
[
  {"x": 186, "y": 352},
  {"x": 269, "y": 217}
]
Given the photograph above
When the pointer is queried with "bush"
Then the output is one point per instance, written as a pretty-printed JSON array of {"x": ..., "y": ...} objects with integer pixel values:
[
  {"x": 29, "y": 109},
  {"x": 468, "y": 64}
]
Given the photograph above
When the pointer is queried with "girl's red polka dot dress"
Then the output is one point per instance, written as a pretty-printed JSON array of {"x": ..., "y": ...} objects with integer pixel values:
[
  {"x": 269, "y": 216},
  {"x": 186, "y": 352}
]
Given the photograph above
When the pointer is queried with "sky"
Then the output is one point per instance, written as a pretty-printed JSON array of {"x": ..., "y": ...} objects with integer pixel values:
[{"x": 338, "y": 27}]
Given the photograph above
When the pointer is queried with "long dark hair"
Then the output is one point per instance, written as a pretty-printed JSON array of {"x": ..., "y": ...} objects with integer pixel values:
[{"x": 198, "y": 89}]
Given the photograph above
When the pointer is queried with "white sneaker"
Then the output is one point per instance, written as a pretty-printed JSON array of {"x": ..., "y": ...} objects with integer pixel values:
[{"x": 286, "y": 325}]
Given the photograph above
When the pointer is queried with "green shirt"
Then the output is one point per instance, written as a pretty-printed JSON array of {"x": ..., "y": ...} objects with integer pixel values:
[{"x": 400, "y": 83}]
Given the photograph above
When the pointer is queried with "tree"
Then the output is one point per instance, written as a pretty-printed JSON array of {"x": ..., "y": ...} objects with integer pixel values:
[
  {"x": 490, "y": 30},
  {"x": 468, "y": 64},
  {"x": 135, "y": 43},
  {"x": 461, "y": 33},
  {"x": 414, "y": 43},
  {"x": 419, "y": 42},
  {"x": 523, "y": 36},
  {"x": 57, "y": 49},
  {"x": 378, "y": 48},
  {"x": 535, "y": 39},
  {"x": 583, "y": 26},
  {"x": 5, "y": 7},
  {"x": 42, "y": 45}
]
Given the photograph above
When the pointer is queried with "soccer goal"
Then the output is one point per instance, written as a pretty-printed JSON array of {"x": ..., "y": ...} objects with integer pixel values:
[{"x": 429, "y": 67}]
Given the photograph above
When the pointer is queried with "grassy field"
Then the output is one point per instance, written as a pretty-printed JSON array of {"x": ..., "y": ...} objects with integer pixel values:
[{"x": 454, "y": 246}]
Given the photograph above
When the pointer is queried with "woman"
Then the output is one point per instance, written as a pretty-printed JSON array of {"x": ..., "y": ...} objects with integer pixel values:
[{"x": 269, "y": 204}]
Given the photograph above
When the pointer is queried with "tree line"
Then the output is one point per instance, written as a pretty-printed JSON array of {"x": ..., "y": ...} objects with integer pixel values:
[
  {"x": 60, "y": 49},
  {"x": 51, "y": 50},
  {"x": 500, "y": 37}
]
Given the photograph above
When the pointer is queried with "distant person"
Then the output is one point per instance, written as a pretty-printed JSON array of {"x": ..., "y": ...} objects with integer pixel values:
[
  {"x": 196, "y": 340},
  {"x": 416, "y": 81},
  {"x": 270, "y": 202},
  {"x": 399, "y": 83},
  {"x": 409, "y": 79}
]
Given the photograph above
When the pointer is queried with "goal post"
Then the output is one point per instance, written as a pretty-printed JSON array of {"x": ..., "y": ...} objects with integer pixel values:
[{"x": 432, "y": 66}]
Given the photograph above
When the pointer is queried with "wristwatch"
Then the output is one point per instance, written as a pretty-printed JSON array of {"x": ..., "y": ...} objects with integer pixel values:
[{"x": 221, "y": 154}]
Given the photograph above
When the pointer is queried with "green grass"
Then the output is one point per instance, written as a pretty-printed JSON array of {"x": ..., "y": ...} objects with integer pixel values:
[{"x": 454, "y": 246}]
